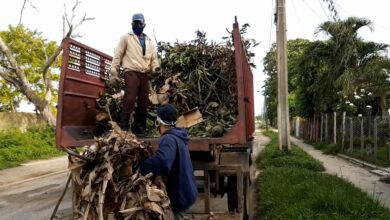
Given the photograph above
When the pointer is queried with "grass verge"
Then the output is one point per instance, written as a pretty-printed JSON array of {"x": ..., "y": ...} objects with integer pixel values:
[
  {"x": 271, "y": 156},
  {"x": 334, "y": 149},
  {"x": 18, "y": 147},
  {"x": 297, "y": 190}
]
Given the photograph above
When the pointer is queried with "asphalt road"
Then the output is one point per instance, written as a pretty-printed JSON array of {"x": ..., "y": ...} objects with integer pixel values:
[{"x": 35, "y": 199}]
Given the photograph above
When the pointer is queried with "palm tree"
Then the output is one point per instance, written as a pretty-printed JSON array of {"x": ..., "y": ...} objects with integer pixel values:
[{"x": 349, "y": 55}]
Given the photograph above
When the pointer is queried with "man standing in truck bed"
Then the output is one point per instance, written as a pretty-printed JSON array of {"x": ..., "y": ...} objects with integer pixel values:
[{"x": 137, "y": 55}]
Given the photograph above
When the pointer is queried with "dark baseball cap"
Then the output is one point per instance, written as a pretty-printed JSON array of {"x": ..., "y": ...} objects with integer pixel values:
[
  {"x": 138, "y": 17},
  {"x": 167, "y": 113}
]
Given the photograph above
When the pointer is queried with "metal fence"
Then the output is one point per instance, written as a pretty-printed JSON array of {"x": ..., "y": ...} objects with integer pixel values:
[{"x": 361, "y": 137}]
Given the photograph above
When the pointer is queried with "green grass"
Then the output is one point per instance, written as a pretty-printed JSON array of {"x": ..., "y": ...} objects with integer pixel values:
[
  {"x": 335, "y": 149},
  {"x": 327, "y": 148},
  {"x": 381, "y": 161},
  {"x": 297, "y": 190},
  {"x": 18, "y": 147},
  {"x": 271, "y": 156}
]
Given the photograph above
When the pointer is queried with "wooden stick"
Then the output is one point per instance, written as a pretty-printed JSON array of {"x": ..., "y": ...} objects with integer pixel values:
[
  {"x": 53, "y": 215},
  {"x": 76, "y": 154}
]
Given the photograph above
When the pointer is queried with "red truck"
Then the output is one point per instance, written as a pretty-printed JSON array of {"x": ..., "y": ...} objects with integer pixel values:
[{"x": 223, "y": 162}]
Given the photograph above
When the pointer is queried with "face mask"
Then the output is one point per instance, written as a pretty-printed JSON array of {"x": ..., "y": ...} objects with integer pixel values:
[{"x": 138, "y": 30}]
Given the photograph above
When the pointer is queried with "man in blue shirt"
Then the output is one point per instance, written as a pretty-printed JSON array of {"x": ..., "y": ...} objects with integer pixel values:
[{"x": 172, "y": 159}]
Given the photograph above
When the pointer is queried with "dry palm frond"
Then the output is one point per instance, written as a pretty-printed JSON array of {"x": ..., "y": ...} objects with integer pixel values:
[{"x": 106, "y": 186}]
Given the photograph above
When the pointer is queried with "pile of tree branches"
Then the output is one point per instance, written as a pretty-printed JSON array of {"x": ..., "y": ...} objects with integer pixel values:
[
  {"x": 199, "y": 74},
  {"x": 196, "y": 74},
  {"x": 107, "y": 185}
]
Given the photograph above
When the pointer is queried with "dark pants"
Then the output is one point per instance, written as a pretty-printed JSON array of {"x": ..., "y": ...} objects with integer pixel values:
[{"x": 136, "y": 89}]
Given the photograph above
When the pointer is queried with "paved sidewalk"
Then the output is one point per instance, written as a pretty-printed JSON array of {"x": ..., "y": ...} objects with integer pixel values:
[
  {"x": 357, "y": 175},
  {"x": 33, "y": 170}
]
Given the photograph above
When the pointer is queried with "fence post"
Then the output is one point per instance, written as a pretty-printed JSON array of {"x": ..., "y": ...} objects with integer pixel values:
[
  {"x": 375, "y": 138},
  {"x": 351, "y": 134},
  {"x": 315, "y": 128},
  {"x": 343, "y": 132},
  {"x": 322, "y": 130},
  {"x": 334, "y": 127},
  {"x": 326, "y": 128},
  {"x": 388, "y": 142},
  {"x": 361, "y": 135}
]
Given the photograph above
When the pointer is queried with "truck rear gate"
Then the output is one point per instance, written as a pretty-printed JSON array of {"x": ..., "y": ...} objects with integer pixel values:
[{"x": 81, "y": 84}]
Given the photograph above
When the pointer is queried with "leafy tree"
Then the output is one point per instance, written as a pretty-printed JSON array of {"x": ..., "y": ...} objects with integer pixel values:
[
  {"x": 9, "y": 97},
  {"x": 26, "y": 66},
  {"x": 28, "y": 63},
  {"x": 375, "y": 79},
  {"x": 350, "y": 58},
  {"x": 340, "y": 73},
  {"x": 295, "y": 51}
]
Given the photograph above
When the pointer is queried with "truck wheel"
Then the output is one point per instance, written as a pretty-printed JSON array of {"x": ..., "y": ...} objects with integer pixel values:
[
  {"x": 246, "y": 206},
  {"x": 232, "y": 199}
]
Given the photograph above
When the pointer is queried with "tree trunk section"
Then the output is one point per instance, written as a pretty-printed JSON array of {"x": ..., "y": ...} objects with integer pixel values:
[{"x": 47, "y": 115}]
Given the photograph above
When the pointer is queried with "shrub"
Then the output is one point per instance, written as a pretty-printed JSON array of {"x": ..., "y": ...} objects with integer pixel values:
[{"x": 17, "y": 147}]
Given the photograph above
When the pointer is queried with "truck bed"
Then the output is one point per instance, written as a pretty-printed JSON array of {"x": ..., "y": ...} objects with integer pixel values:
[{"x": 81, "y": 83}]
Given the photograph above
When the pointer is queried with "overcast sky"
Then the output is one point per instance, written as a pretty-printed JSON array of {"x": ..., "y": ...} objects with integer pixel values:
[{"x": 173, "y": 20}]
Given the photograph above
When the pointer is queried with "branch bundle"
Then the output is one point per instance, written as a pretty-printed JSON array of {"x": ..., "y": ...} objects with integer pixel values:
[
  {"x": 106, "y": 184},
  {"x": 200, "y": 74}
]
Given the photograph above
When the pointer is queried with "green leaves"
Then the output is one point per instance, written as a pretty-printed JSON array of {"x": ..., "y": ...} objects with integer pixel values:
[
  {"x": 31, "y": 52},
  {"x": 321, "y": 73}
]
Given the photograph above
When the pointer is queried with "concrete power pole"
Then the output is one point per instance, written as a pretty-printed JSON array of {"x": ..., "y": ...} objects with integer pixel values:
[{"x": 283, "y": 112}]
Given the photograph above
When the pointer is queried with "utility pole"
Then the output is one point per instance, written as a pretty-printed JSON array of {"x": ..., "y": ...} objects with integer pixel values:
[{"x": 283, "y": 112}]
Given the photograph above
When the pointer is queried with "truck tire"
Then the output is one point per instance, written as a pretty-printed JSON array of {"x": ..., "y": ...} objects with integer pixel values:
[
  {"x": 246, "y": 206},
  {"x": 232, "y": 196}
]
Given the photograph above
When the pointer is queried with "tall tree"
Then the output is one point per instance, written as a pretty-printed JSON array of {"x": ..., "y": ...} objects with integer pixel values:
[
  {"x": 295, "y": 52},
  {"x": 349, "y": 54},
  {"x": 27, "y": 62},
  {"x": 9, "y": 97}
]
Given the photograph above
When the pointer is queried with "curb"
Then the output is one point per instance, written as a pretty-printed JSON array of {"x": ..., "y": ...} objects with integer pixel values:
[
  {"x": 375, "y": 169},
  {"x": 382, "y": 171}
]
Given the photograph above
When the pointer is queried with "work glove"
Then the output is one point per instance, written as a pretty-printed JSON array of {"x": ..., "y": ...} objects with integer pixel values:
[
  {"x": 114, "y": 80},
  {"x": 154, "y": 73},
  {"x": 157, "y": 69}
]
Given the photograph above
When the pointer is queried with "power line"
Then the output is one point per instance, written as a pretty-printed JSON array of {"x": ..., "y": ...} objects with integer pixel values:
[
  {"x": 381, "y": 26},
  {"x": 375, "y": 23},
  {"x": 307, "y": 5},
  {"x": 323, "y": 9},
  {"x": 299, "y": 18}
]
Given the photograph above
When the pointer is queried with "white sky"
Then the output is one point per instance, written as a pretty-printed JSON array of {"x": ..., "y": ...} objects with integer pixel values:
[{"x": 173, "y": 20}]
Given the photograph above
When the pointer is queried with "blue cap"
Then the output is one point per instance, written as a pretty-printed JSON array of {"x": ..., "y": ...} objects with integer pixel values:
[{"x": 138, "y": 17}]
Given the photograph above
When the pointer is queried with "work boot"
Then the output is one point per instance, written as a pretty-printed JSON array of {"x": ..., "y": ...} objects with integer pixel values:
[
  {"x": 139, "y": 127},
  {"x": 139, "y": 130},
  {"x": 124, "y": 122}
]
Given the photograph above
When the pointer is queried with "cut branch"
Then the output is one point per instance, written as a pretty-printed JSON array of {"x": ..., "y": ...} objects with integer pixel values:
[
  {"x": 22, "y": 10},
  {"x": 14, "y": 64}
]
